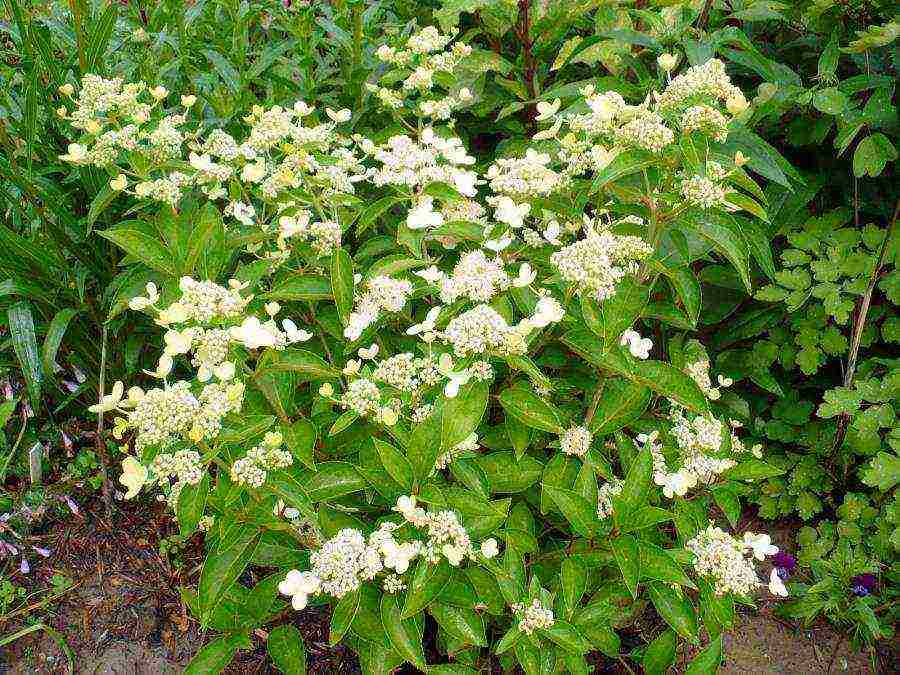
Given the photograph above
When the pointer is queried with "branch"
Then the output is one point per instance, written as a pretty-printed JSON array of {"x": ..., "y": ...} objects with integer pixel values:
[{"x": 859, "y": 324}]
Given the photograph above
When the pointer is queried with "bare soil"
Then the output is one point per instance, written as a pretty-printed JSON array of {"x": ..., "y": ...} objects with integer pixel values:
[{"x": 123, "y": 614}]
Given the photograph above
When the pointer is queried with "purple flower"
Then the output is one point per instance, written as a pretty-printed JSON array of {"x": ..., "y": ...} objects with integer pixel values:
[
  {"x": 784, "y": 561},
  {"x": 45, "y": 552},
  {"x": 863, "y": 584},
  {"x": 24, "y": 567}
]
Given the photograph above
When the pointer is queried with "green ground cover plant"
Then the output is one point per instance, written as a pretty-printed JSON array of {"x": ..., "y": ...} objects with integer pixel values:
[{"x": 464, "y": 319}]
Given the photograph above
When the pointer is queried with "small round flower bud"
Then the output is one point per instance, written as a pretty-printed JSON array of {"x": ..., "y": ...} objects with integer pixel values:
[{"x": 667, "y": 62}]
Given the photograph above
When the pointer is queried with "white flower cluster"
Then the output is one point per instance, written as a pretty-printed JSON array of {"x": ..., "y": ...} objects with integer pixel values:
[
  {"x": 595, "y": 264},
  {"x": 284, "y": 149},
  {"x": 175, "y": 470},
  {"x": 698, "y": 371},
  {"x": 575, "y": 441},
  {"x": 422, "y": 58},
  {"x": 407, "y": 372},
  {"x": 414, "y": 164},
  {"x": 702, "y": 192},
  {"x": 380, "y": 294},
  {"x": 700, "y": 84},
  {"x": 468, "y": 445},
  {"x": 475, "y": 277},
  {"x": 446, "y": 535},
  {"x": 347, "y": 560},
  {"x": 482, "y": 330},
  {"x": 533, "y": 616},
  {"x": 362, "y": 396},
  {"x": 523, "y": 177},
  {"x": 201, "y": 301},
  {"x": 638, "y": 347},
  {"x": 605, "y": 493},
  {"x": 252, "y": 469},
  {"x": 707, "y": 120},
  {"x": 728, "y": 562},
  {"x": 324, "y": 236},
  {"x": 698, "y": 440}
]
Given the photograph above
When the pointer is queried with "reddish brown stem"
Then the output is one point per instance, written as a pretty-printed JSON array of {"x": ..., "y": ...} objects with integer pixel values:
[{"x": 528, "y": 65}]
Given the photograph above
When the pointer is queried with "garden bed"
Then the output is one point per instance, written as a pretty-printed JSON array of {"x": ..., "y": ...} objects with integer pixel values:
[{"x": 123, "y": 615}]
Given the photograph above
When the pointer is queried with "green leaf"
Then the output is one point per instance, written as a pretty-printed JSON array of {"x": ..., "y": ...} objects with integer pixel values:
[
  {"x": 627, "y": 555},
  {"x": 752, "y": 469},
  {"x": 450, "y": 423},
  {"x": 572, "y": 582},
  {"x": 676, "y": 610},
  {"x": 374, "y": 211},
  {"x": 581, "y": 514},
  {"x": 223, "y": 565},
  {"x": 55, "y": 332},
  {"x": 723, "y": 233},
  {"x": 657, "y": 375},
  {"x": 208, "y": 223},
  {"x": 426, "y": 584},
  {"x": 609, "y": 319},
  {"x": 286, "y": 648},
  {"x": 621, "y": 403},
  {"x": 145, "y": 248},
  {"x": 872, "y": 154},
  {"x": 461, "y": 415},
  {"x": 99, "y": 203},
  {"x": 506, "y": 474},
  {"x": 529, "y": 657},
  {"x": 727, "y": 500},
  {"x": 285, "y": 486},
  {"x": 225, "y": 70},
  {"x": 624, "y": 164},
  {"x": 395, "y": 463},
  {"x": 307, "y": 365},
  {"x": 644, "y": 517},
  {"x": 568, "y": 637},
  {"x": 831, "y": 101},
  {"x": 301, "y": 287},
  {"x": 464, "y": 624},
  {"x": 636, "y": 488},
  {"x": 405, "y": 634},
  {"x": 99, "y": 39},
  {"x": 531, "y": 410},
  {"x": 342, "y": 283},
  {"x": 660, "y": 654},
  {"x": 191, "y": 504},
  {"x": 657, "y": 564},
  {"x": 21, "y": 330},
  {"x": 882, "y": 472},
  {"x": 216, "y": 656},
  {"x": 332, "y": 480},
  {"x": 707, "y": 662},
  {"x": 300, "y": 439},
  {"x": 342, "y": 616}
]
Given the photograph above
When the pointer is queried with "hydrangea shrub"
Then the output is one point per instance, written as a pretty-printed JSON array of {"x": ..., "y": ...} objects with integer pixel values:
[{"x": 409, "y": 383}]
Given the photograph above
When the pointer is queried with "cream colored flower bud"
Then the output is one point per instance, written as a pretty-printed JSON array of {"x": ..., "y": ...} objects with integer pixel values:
[
  {"x": 93, "y": 127},
  {"x": 740, "y": 159},
  {"x": 667, "y": 62},
  {"x": 61, "y": 112},
  {"x": 188, "y": 100},
  {"x": 326, "y": 390},
  {"x": 119, "y": 183},
  {"x": 389, "y": 417},
  {"x": 67, "y": 89},
  {"x": 159, "y": 92},
  {"x": 736, "y": 104}
]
